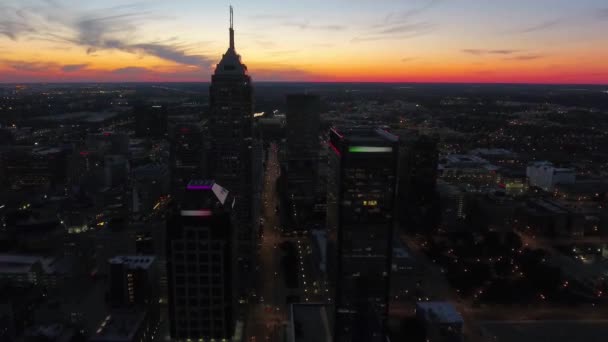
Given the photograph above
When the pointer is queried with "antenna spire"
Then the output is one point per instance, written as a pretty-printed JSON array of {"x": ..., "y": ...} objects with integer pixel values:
[{"x": 231, "y": 28}]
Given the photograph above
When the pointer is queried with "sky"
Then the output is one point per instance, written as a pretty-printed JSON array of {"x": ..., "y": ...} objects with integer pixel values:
[{"x": 486, "y": 41}]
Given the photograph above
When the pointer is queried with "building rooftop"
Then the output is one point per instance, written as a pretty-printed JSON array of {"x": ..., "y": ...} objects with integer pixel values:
[
  {"x": 133, "y": 261},
  {"x": 441, "y": 312},
  {"x": 10, "y": 263},
  {"x": 364, "y": 135},
  {"x": 202, "y": 197}
]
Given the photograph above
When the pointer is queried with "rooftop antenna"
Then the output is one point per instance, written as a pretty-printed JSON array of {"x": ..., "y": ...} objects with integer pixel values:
[{"x": 231, "y": 28}]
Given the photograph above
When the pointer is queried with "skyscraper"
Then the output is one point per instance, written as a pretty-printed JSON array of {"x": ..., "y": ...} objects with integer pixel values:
[
  {"x": 302, "y": 152},
  {"x": 232, "y": 143},
  {"x": 417, "y": 198},
  {"x": 200, "y": 264},
  {"x": 186, "y": 155},
  {"x": 361, "y": 190}
]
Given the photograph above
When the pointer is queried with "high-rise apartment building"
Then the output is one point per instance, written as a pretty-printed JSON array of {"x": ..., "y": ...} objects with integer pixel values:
[
  {"x": 200, "y": 264},
  {"x": 361, "y": 192}
]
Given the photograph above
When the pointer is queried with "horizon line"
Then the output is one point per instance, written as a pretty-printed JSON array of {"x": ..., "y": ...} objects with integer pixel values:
[{"x": 318, "y": 82}]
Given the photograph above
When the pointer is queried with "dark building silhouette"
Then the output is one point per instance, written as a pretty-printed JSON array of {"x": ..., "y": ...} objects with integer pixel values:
[
  {"x": 200, "y": 264},
  {"x": 418, "y": 202},
  {"x": 302, "y": 153},
  {"x": 361, "y": 191},
  {"x": 150, "y": 120},
  {"x": 232, "y": 146},
  {"x": 187, "y": 155}
]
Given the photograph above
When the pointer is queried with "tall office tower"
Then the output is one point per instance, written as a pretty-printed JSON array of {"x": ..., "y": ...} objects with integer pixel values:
[
  {"x": 150, "y": 121},
  {"x": 302, "y": 152},
  {"x": 200, "y": 264},
  {"x": 362, "y": 189},
  {"x": 417, "y": 198},
  {"x": 186, "y": 155},
  {"x": 230, "y": 158}
]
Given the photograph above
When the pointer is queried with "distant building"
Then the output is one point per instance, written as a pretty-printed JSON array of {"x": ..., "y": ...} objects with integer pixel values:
[
  {"x": 513, "y": 181},
  {"x": 29, "y": 270},
  {"x": 149, "y": 183},
  {"x": 303, "y": 125},
  {"x": 551, "y": 218},
  {"x": 133, "y": 281},
  {"x": 25, "y": 167},
  {"x": 361, "y": 195},
  {"x": 200, "y": 264},
  {"x": 150, "y": 121},
  {"x": 476, "y": 174},
  {"x": 107, "y": 143},
  {"x": 545, "y": 176},
  {"x": 441, "y": 321}
]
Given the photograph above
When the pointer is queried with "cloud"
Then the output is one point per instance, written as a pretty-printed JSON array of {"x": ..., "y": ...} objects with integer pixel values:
[
  {"x": 511, "y": 55},
  {"x": 117, "y": 29},
  {"x": 29, "y": 66},
  {"x": 525, "y": 57},
  {"x": 408, "y": 59},
  {"x": 13, "y": 30},
  {"x": 602, "y": 14},
  {"x": 401, "y": 25},
  {"x": 482, "y": 52},
  {"x": 403, "y": 28},
  {"x": 407, "y": 14},
  {"x": 17, "y": 22},
  {"x": 265, "y": 16},
  {"x": 73, "y": 67},
  {"x": 541, "y": 26},
  {"x": 304, "y": 25},
  {"x": 130, "y": 71},
  {"x": 267, "y": 44},
  {"x": 400, "y": 31}
]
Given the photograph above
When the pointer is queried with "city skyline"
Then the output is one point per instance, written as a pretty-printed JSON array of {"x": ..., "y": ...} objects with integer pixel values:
[{"x": 366, "y": 41}]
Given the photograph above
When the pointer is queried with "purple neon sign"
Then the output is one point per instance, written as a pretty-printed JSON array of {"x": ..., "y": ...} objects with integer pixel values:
[{"x": 198, "y": 187}]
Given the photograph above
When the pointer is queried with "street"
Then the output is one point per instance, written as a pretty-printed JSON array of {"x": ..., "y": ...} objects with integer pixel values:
[{"x": 267, "y": 309}]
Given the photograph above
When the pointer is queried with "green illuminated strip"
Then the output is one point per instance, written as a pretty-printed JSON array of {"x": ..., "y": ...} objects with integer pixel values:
[{"x": 369, "y": 149}]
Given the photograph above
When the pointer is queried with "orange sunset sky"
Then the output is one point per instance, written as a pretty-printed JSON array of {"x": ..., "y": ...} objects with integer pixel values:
[{"x": 541, "y": 41}]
